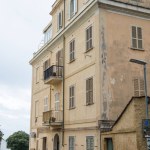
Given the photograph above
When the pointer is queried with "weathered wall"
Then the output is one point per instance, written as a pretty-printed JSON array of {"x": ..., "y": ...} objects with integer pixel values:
[{"x": 116, "y": 51}]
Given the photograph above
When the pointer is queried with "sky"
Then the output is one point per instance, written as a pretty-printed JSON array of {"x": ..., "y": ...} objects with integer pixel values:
[{"x": 21, "y": 26}]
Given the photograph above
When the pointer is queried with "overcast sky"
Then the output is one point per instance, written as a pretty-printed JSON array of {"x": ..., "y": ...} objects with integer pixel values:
[{"x": 21, "y": 26}]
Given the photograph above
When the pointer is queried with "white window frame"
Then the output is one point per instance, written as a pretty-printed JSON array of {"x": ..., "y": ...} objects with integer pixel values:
[
  {"x": 137, "y": 39},
  {"x": 48, "y": 34},
  {"x": 71, "y": 97},
  {"x": 74, "y": 8}
]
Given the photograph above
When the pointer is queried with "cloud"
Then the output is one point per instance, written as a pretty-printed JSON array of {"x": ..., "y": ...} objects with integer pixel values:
[{"x": 14, "y": 109}]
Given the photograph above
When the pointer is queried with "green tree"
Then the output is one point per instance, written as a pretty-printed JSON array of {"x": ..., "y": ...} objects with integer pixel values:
[{"x": 18, "y": 141}]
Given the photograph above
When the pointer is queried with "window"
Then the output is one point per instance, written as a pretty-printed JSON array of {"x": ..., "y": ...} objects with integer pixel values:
[
  {"x": 138, "y": 87},
  {"x": 48, "y": 34},
  {"x": 89, "y": 38},
  {"x": 37, "y": 74},
  {"x": 137, "y": 37},
  {"x": 36, "y": 109},
  {"x": 73, "y": 8},
  {"x": 71, "y": 142},
  {"x": 46, "y": 64},
  {"x": 59, "y": 20},
  {"x": 44, "y": 143},
  {"x": 45, "y": 104},
  {"x": 72, "y": 50},
  {"x": 90, "y": 143},
  {"x": 71, "y": 97},
  {"x": 89, "y": 91},
  {"x": 109, "y": 143}
]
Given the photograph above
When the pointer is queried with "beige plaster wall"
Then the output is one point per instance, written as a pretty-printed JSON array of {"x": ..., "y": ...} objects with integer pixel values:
[{"x": 117, "y": 71}]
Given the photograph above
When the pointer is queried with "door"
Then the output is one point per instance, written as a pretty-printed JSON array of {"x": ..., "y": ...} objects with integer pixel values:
[
  {"x": 109, "y": 144},
  {"x": 56, "y": 142}
]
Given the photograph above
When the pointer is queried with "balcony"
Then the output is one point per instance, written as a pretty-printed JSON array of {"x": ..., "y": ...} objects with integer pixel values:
[
  {"x": 53, "y": 75},
  {"x": 53, "y": 118}
]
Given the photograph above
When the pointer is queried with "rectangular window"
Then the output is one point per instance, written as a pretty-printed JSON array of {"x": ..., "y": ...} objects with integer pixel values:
[
  {"x": 36, "y": 109},
  {"x": 73, "y": 8},
  {"x": 44, "y": 143},
  {"x": 137, "y": 37},
  {"x": 71, "y": 97},
  {"x": 72, "y": 50},
  {"x": 138, "y": 87},
  {"x": 89, "y": 38},
  {"x": 46, "y": 64},
  {"x": 89, "y": 91},
  {"x": 59, "y": 20},
  {"x": 71, "y": 143},
  {"x": 109, "y": 143},
  {"x": 90, "y": 143},
  {"x": 46, "y": 104},
  {"x": 37, "y": 74},
  {"x": 48, "y": 34}
]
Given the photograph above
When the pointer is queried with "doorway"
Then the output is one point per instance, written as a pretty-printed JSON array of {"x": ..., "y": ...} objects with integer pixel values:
[{"x": 56, "y": 142}]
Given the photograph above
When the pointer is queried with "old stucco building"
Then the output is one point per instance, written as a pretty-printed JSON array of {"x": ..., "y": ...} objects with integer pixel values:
[{"x": 82, "y": 76}]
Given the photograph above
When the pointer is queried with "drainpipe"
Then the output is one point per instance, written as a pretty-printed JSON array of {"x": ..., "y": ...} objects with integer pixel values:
[{"x": 63, "y": 79}]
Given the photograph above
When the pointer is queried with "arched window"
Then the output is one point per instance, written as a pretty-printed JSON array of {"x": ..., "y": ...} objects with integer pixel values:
[{"x": 73, "y": 8}]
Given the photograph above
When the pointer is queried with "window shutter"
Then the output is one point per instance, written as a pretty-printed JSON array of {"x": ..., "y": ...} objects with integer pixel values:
[
  {"x": 87, "y": 92},
  {"x": 134, "y": 37},
  {"x": 90, "y": 143},
  {"x": 136, "y": 87},
  {"x": 139, "y": 32},
  {"x": 142, "y": 93},
  {"x": 134, "y": 32},
  {"x": 69, "y": 10},
  {"x": 75, "y": 6},
  {"x": 91, "y": 90}
]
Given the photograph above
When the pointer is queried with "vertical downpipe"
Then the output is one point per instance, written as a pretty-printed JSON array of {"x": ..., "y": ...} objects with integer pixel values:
[{"x": 63, "y": 78}]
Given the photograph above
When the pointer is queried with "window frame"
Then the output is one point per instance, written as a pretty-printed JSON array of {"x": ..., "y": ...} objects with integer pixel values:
[
  {"x": 46, "y": 104},
  {"x": 140, "y": 91},
  {"x": 59, "y": 20},
  {"x": 89, "y": 38},
  {"x": 72, "y": 97},
  {"x": 75, "y": 6},
  {"x": 72, "y": 50},
  {"x": 89, "y": 91},
  {"x": 91, "y": 137},
  {"x": 71, "y": 147},
  {"x": 137, "y": 39}
]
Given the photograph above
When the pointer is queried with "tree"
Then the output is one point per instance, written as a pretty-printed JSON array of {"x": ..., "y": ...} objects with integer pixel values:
[
  {"x": 18, "y": 141},
  {"x": 1, "y": 137}
]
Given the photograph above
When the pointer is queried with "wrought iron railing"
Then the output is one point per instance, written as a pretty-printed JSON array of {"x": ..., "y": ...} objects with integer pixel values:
[{"x": 53, "y": 71}]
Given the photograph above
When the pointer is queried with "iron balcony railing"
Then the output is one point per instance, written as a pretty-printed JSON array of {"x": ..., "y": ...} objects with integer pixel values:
[
  {"x": 52, "y": 116},
  {"x": 53, "y": 71}
]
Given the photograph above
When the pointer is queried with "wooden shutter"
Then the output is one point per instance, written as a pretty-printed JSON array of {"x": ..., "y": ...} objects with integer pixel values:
[
  {"x": 90, "y": 143},
  {"x": 139, "y": 33},
  {"x": 139, "y": 87},
  {"x": 134, "y": 37},
  {"x": 142, "y": 92},
  {"x": 72, "y": 49},
  {"x": 45, "y": 104},
  {"x": 87, "y": 92},
  {"x": 71, "y": 142}
]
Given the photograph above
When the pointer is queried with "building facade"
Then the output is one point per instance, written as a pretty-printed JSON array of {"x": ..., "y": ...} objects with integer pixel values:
[{"x": 82, "y": 76}]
